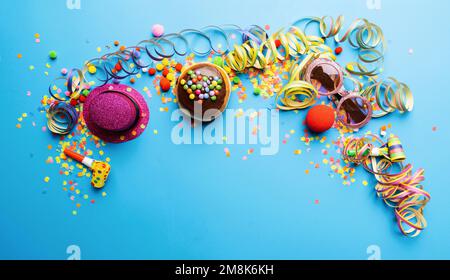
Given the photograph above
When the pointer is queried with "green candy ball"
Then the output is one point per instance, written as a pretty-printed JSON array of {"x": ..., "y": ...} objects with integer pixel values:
[
  {"x": 218, "y": 61},
  {"x": 52, "y": 54}
]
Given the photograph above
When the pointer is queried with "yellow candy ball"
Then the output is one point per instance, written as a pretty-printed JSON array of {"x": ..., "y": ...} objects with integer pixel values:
[
  {"x": 92, "y": 69},
  {"x": 170, "y": 77}
]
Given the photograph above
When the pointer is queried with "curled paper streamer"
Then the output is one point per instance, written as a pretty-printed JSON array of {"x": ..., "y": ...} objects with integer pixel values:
[
  {"x": 296, "y": 94},
  {"x": 402, "y": 191},
  {"x": 362, "y": 35},
  {"x": 61, "y": 118},
  {"x": 147, "y": 52},
  {"x": 389, "y": 95},
  {"x": 75, "y": 83},
  {"x": 293, "y": 43},
  {"x": 258, "y": 50}
]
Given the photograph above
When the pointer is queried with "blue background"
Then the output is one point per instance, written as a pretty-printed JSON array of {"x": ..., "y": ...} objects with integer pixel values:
[{"x": 158, "y": 206}]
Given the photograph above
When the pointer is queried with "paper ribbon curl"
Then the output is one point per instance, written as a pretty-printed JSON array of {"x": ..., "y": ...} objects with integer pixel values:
[{"x": 402, "y": 191}]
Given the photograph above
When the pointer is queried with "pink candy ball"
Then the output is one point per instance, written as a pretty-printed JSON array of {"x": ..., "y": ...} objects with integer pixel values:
[{"x": 157, "y": 30}]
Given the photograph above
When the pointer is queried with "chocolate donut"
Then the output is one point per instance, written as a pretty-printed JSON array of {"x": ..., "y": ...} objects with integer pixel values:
[{"x": 203, "y": 91}]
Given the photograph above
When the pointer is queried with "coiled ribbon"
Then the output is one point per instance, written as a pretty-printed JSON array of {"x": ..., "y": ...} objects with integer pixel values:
[
  {"x": 387, "y": 96},
  {"x": 402, "y": 191},
  {"x": 362, "y": 35},
  {"x": 297, "y": 94},
  {"x": 279, "y": 46},
  {"x": 135, "y": 58},
  {"x": 74, "y": 83},
  {"x": 259, "y": 50},
  {"x": 61, "y": 117}
]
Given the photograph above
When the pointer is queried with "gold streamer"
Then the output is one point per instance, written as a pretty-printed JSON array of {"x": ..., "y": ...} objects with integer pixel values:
[
  {"x": 297, "y": 94},
  {"x": 389, "y": 95},
  {"x": 294, "y": 42},
  {"x": 402, "y": 191},
  {"x": 362, "y": 35}
]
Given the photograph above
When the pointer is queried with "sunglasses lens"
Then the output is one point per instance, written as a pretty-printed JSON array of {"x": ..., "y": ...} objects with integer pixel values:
[
  {"x": 354, "y": 111},
  {"x": 325, "y": 78}
]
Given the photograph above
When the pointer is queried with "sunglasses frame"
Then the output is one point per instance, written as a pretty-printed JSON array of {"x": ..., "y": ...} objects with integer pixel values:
[
  {"x": 339, "y": 90},
  {"x": 319, "y": 61},
  {"x": 346, "y": 95}
]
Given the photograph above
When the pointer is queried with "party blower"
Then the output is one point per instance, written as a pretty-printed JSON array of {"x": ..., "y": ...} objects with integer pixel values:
[{"x": 100, "y": 170}]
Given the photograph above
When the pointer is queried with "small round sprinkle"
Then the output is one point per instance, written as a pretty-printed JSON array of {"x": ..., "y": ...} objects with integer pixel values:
[
  {"x": 92, "y": 69},
  {"x": 53, "y": 55},
  {"x": 157, "y": 30},
  {"x": 218, "y": 61}
]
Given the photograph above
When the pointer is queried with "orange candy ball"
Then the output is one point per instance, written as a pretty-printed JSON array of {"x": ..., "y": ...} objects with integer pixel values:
[
  {"x": 320, "y": 118},
  {"x": 164, "y": 83},
  {"x": 165, "y": 72},
  {"x": 179, "y": 67}
]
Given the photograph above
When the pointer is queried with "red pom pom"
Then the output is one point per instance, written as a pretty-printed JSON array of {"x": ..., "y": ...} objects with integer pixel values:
[
  {"x": 338, "y": 50},
  {"x": 320, "y": 118},
  {"x": 152, "y": 71},
  {"x": 164, "y": 83}
]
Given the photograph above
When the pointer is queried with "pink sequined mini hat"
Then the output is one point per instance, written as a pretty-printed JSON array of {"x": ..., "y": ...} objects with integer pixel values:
[{"x": 116, "y": 113}]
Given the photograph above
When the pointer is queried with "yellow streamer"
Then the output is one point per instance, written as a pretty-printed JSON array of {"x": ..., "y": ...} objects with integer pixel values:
[{"x": 294, "y": 42}]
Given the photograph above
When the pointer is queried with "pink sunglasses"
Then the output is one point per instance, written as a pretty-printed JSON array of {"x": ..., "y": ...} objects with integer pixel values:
[{"x": 352, "y": 109}]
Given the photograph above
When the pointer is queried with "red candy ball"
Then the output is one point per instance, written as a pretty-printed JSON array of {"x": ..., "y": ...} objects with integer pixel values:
[
  {"x": 164, "y": 83},
  {"x": 152, "y": 71},
  {"x": 179, "y": 67},
  {"x": 320, "y": 118},
  {"x": 118, "y": 67},
  {"x": 338, "y": 50},
  {"x": 165, "y": 72},
  {"x": 82, "y": 98},
  {"x": 73, "y": 102}
]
